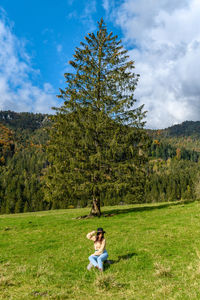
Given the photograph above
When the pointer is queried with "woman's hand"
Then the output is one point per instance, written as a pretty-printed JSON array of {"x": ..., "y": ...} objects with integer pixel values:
[{"x": 91, "y": 236}]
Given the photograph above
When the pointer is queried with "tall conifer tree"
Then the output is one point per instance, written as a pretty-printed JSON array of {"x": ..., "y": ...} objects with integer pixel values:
[{"x": 97, "y": 142}]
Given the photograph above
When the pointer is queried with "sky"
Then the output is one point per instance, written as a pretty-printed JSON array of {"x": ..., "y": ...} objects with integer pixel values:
[{"x": 38, "y": 38}]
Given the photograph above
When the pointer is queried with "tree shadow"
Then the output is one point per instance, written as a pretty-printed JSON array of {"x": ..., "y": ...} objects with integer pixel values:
[
  {"x": 117, "y": 211},
  {"x": 110, "y": 262}
]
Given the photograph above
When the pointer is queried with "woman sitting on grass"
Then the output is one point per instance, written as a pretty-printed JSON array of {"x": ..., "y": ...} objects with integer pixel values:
[{"x": 100, "y": 254}]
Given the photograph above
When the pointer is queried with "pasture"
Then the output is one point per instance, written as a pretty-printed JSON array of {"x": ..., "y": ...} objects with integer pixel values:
[{"x": 155, "y": 249}]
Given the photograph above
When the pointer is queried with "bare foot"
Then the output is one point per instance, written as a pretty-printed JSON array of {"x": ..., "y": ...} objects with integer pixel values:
[{"x": 101, "y": 270}]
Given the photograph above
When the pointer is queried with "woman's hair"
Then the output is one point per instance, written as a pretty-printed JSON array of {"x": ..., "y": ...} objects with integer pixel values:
[{"x": 97, "y": 237}]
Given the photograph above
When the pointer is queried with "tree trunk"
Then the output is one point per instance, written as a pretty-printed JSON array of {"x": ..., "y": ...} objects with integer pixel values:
[{"x": 96, "y": 210}]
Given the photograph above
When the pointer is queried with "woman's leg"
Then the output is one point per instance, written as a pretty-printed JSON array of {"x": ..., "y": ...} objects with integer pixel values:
[
  {"x": 101, "y": 259},
  {"x": 93, "y": 260}
]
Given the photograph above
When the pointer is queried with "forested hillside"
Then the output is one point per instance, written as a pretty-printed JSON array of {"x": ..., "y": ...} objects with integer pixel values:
[
  {"x": 187, "y": 128},
  {"x": 22, "y": 159},
  {"x": 171, "y": 171},
  {"x": 23, "y": 120},
  {"x": 185, "y": 135}
]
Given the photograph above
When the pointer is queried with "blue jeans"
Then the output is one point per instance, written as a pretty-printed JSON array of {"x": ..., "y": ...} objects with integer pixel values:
[{"x": 97, "y": 260}]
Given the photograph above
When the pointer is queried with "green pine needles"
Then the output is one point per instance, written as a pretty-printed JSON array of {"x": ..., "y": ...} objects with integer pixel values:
[{"x": 97, "y": 146}]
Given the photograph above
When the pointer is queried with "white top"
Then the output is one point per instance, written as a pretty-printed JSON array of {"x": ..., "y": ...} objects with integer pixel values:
[{"x": 98, "y": 246}]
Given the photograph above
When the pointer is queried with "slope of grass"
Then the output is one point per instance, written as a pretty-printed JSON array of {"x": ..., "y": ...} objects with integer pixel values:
[{"x": 155, "y": 250}]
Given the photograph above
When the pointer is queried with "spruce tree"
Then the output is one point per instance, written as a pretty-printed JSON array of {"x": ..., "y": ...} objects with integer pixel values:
[{"x": 97, "y": 143}]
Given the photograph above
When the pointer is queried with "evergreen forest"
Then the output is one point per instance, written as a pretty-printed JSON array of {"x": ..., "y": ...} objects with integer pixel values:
[{"x": 171, "y": 168}]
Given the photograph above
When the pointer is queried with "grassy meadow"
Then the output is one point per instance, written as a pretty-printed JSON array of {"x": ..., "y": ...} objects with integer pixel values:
[{"x": 155, "y": 249}]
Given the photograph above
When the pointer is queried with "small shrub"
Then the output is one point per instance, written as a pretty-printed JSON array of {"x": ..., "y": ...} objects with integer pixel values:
[{"x": 70, "y": 206}]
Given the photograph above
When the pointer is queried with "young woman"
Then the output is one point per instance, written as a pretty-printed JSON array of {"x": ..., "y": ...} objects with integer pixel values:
[{"x": 100, "y": 254}]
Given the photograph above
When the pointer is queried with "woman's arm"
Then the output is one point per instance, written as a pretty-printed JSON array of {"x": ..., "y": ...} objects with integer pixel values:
[{"x": 90, "y": 236}]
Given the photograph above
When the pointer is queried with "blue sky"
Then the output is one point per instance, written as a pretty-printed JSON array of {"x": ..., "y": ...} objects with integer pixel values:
[
  {"x": 51, "y": 30},
  {"x": 38, "y": 38}
]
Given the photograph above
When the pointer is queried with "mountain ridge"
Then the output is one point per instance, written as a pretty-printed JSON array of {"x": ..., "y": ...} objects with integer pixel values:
[{"x": 32, "y": 121}]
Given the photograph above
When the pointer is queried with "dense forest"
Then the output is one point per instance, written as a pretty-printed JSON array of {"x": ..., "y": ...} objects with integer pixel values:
[{"x": 172, "y": 167}]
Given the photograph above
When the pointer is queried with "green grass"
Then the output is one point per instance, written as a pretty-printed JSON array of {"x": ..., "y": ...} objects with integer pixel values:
[{"x": 155, "y": 249}]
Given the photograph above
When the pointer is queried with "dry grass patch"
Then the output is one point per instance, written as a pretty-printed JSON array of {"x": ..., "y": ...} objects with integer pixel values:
[
  {"x": 194, "y": 267},
  {"x": 6, "y": 277},
  {"x": 107, "y": 282},
  {"x": 6, "y": 281},
  {"x": 43, "y": 271},
  {"x": 164, "y": 292},
  {"x": 162, "y": 271}
]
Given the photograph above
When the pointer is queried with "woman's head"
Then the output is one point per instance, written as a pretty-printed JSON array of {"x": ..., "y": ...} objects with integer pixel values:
[{"x": 100, "y": 234}]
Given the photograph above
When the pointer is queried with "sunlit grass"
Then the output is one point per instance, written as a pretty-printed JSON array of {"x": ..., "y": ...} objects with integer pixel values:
[{"x": 155, "y": 251}]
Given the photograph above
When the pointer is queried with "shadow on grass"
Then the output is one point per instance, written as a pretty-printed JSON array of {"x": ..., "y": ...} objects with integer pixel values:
[
  {"x": 147, "y": 207},
  {"x": 114, "y": 212},
  {"x": 120, "y": 257}
]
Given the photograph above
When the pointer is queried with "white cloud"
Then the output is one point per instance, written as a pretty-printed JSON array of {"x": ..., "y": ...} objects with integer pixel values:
[
  {"x": 106, "y": 5},
  {"x": 164, "y": 41},
  {"x": 85, "y": 17},
  {"x": 59, "y": 48},
  {"x": 17, "y": 91}
]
